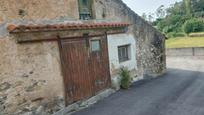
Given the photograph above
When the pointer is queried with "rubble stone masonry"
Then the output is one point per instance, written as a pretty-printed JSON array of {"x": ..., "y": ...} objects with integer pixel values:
[{"x": 31, "y": 81}]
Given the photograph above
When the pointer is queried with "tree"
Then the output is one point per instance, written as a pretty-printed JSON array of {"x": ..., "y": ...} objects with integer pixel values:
[
  {"x": 144, "y": 16},
  {"x": 161, "y": 12},
  {"x": 197, "y": 5},
  {"x": 188, "y": 7},
  {"x": 186, "y": 14},
  {"x": 150, "y": 17},
  {"x": 176, "y": 9},
  {"x": 197, "y": 8},
  {"x": 193, "y": 25}
]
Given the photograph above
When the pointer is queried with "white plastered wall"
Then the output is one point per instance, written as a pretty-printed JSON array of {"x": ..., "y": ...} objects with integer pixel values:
[
  {"x": 113, "y": 42},
  {"x": 119, "y": 40}
]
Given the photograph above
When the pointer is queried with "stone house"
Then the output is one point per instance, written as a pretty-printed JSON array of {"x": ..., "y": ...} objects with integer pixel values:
[{"x": 58, "y": 53}]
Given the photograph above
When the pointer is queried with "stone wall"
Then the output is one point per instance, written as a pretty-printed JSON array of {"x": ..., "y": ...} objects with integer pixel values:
[
  {"x": 30, "y": 74},
  {"x": 150, "y": 44},
  {"x": 194, "y": 51},
  {"x": 38, "y": 9}
]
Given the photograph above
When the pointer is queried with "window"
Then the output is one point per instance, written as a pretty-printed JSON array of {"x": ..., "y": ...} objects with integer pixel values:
[
  {"x": 124, "y": 53},
  {"x": 85, "y": 9},
  {"x": 95, "y": 45},
  {"x": 85, "y": 2}
]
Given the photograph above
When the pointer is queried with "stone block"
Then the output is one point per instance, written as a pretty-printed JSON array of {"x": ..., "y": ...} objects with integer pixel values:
[
  {"x": 4, "y": 86},
  {"x": 1, "y": 20},
  {"x": 2, "y": 99}
]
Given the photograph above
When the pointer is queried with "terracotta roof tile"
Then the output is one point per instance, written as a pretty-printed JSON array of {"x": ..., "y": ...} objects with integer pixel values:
[
  {"x": 68, "y": 26},
  {"x": 11, "y": 27}
]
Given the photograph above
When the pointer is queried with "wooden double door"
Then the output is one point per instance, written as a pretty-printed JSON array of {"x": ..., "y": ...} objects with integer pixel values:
[{"x": 85, "y": 66}]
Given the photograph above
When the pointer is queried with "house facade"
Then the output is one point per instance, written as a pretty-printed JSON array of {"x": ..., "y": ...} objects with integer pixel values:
[{"x": 58, "y": 53}]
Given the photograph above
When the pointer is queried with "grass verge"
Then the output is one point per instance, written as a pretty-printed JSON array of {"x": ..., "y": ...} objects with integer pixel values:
[{"x": 181, "y": 42}]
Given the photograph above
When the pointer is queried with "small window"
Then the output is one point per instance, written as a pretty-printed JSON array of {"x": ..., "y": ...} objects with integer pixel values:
[
  {"x": 85, "y": 2},
  {"x": 85, "y": 9},
  {"x": 95, "y": 45},
  {"x": 123, "y": 53}
]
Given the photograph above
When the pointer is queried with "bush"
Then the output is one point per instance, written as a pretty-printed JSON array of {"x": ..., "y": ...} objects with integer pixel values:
[
  {"x": 193, "y": 25},
  {"x": 170, "y": 35},
  {"x": 174, "y": 34},
  {"x": 198, "y": 34},
  {"x": 125, "y": 80},
  {"x": 180, "y": 34}
]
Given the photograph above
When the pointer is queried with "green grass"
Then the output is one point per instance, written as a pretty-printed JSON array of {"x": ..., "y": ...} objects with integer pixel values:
[{"x": 182, "y": 42}]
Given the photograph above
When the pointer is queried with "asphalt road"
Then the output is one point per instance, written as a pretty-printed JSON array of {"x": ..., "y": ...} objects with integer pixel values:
[{"x": 179, "y": 92}]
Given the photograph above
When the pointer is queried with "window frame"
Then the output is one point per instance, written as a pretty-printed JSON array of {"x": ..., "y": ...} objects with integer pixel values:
[
  {"x": 89, "y": 14},
  {"x": 91, "y": 48},
  {"x": 124, "y": 51}
]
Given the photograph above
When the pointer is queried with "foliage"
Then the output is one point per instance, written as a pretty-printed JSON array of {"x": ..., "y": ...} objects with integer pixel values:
[
  {"x": 160, "y": 13},
  {"x": 148, "y": 17},
  {"x": 125, "y": 80},
  {"x": 171, "y": 34},
  {"x": 175, "y": 34},
  {"x": 144, "y": 16},
  {"x": 188, "y": 7},
  {"x": 180, "y": 34},
  {"x": 193, "y": 25},
  {"x": 197, "y": 34},
  {"x": 180, "y": 17},
  {"x": 197, "y": 5},
  {"x": 185, "y": 42},
  {"x": 176, "y": 9}
]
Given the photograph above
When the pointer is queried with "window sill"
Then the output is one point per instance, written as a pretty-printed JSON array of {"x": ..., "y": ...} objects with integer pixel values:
[{"x": 124, "y": 61}]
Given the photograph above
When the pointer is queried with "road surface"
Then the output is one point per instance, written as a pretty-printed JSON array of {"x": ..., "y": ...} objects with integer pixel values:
[{"x": 178, "y": 92}]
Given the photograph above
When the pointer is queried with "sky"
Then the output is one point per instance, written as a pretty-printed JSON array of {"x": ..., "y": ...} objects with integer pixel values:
[{"x": 147, "y": 6}]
